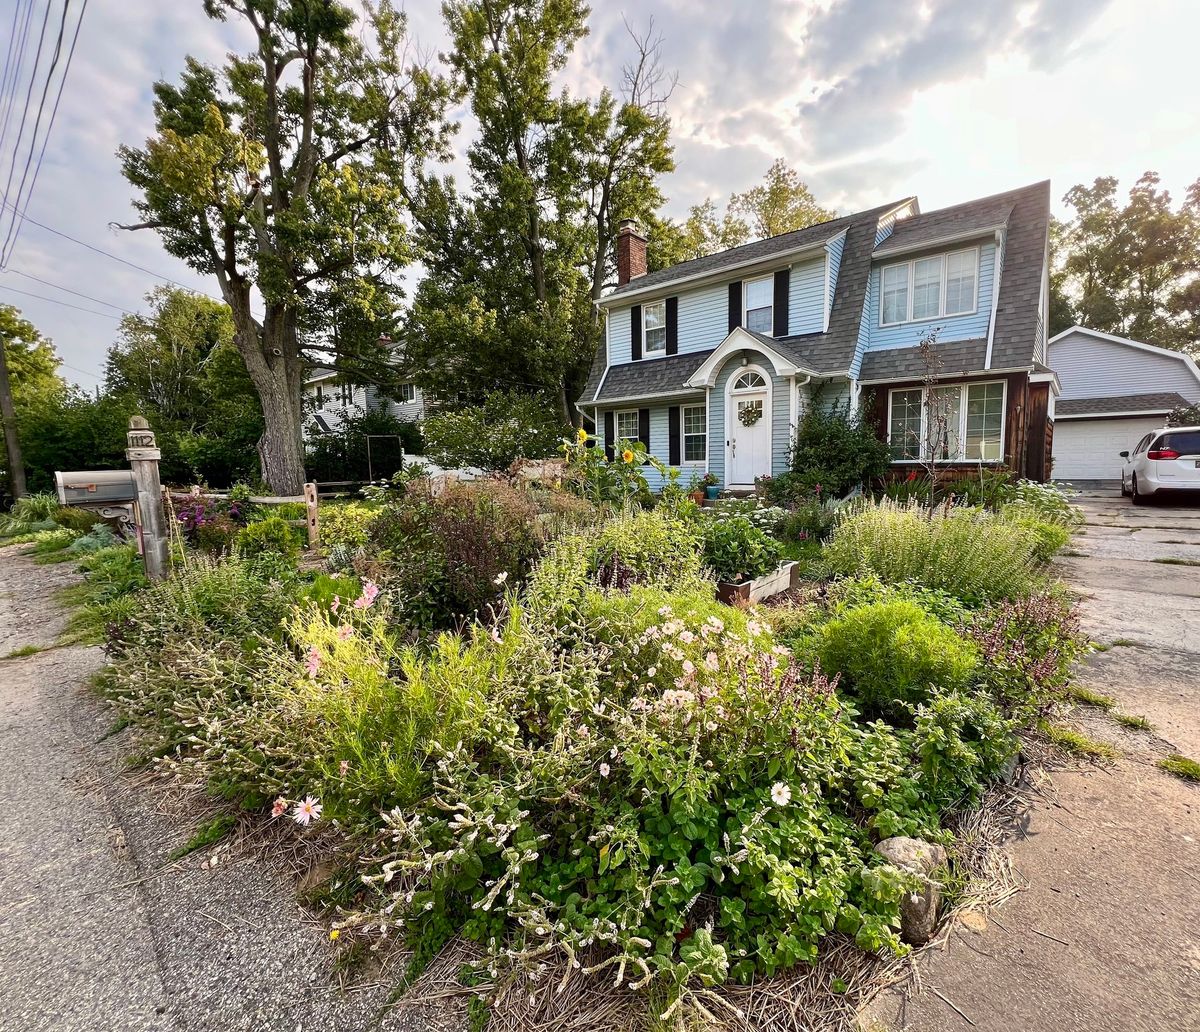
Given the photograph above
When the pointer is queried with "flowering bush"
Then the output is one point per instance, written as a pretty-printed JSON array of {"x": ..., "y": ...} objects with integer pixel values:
[
  {"x": 345, "y": 524},
  {"x": 619, "y": 481}
]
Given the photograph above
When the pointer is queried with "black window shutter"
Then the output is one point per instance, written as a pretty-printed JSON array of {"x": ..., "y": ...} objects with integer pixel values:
[
  {"x": 674, "y": 436},
  {"x": 780, "y": 313},
  {"x": 635, "y": 330},
  {"x": 735, "y": 305},
  {"x": 644, "y": 427},
  {"x": 610, "y": 434},
  {"x": 672, "y": 326}
]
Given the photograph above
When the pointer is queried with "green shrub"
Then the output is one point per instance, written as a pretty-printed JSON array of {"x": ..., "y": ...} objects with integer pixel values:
[
  {"x": 216, "y": 534},
  {"x": 893, "y": 655},
  {"x": 81, "y": 520},
  {"x": 767, "y": 518},
  {"x": 345, "y": 523},
  {"x": 833, "y": 452},
  {"x": 270, "y": 535},
  {"x": 454, "y": 554},
  {"x": 54, "y": 540},
  {"x": 963, "y": 741},
  {"x": 100, "y": 536},
  {"x": 1049, "y": 537},
  {"x": 1050, "y": 502},
  {"x": 324, "y": 589},
  {"x": 505, "y": 427},
  {"x": 736, "y": 550},
  {"x": 646, "y": 548},
  {"x": 975, "y": 555},
  {"x": 33, "y": 509},
  {"x": 861, "y": 591}
]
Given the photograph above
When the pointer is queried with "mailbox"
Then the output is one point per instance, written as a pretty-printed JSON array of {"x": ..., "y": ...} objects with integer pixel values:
[{"x": 96, "y": 487}]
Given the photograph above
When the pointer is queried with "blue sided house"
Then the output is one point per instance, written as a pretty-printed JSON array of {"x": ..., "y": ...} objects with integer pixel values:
[{"x": 712, "y": 362}]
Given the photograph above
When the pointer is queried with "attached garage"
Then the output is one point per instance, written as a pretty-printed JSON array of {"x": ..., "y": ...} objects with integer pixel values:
[
  {"x": 1090, "y": 449},
  {"x": 1114, "y": 391}
]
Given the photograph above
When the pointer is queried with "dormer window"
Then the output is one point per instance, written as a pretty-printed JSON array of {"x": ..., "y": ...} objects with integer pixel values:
[
  {"x": 760, "y": 314},
  {"x": 654, "y": 328},
  {"x": 929, "y": 288}
]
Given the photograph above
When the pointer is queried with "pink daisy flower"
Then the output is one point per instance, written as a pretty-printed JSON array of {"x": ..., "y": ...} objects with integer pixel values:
[
  {"x": 336, "y": 604},
  {"x": 369, "y": 594},
  {"x": 313, "y": 663},
  {"x": 345, "y": 632},
  {"x": 307, "y": 811}
]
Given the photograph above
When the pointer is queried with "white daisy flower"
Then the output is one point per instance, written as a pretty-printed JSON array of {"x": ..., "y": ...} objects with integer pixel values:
[{"x": 781, "y": 795}]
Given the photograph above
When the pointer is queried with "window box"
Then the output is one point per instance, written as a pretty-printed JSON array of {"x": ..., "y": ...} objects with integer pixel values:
[{"x": 782, "y": 579}]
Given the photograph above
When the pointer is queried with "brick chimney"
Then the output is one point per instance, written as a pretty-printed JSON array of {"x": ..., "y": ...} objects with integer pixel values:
[{"x": 631, "y": 252}]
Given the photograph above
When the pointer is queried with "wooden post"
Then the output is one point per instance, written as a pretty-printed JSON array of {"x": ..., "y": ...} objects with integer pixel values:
[
  {"x": 314, "y": 528},
  {"x": 143, "y": 456}
]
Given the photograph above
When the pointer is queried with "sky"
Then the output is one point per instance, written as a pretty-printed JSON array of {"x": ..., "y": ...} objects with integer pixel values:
[{"x": 870, "y": 100}]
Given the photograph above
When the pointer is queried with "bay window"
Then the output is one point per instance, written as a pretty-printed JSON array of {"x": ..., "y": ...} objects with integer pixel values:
[
  {"x": 959, "y": 423},
  {"x": 929, "y": 288}
]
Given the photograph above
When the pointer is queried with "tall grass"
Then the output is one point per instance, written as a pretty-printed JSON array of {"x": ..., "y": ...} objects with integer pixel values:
[{"x": 971, "y": 553}]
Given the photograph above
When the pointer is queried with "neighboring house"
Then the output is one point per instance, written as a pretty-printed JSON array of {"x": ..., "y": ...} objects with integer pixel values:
[
  {"x": 328, "y": 399},
  {"x": 712, "y": 362},
  {"x": 1114, "y": 391}
]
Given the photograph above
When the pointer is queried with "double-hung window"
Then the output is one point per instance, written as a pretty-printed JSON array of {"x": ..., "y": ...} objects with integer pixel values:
[
  {"x": 960, "y": 423},
  {"x": 929, "y": 288},
  {"x": 654, "y": 328},
  {"x": 407, "y": 393},
  {"x": 627, "y": 425},
  {"x": 695, "y": 433},
  {"x": 760, "y": 305}
]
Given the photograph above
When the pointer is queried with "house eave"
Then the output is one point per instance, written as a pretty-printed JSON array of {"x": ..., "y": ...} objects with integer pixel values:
[
  {"x": 949, "y": 377},
  {"x": 740, "y": 339}
]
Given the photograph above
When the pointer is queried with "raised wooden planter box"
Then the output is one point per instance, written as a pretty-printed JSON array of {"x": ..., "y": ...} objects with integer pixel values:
[{"x": 747, "y": 592}]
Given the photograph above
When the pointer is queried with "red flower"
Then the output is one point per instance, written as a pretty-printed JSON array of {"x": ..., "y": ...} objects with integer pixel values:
[{"x": 912, "y": 476}]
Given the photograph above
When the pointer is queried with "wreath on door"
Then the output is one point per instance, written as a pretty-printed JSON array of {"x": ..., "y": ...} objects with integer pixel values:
[{"x": 750, "y": 413}]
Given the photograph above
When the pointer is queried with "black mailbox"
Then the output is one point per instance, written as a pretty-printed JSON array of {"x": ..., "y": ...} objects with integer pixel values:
[{"x": 96, "y": 487}]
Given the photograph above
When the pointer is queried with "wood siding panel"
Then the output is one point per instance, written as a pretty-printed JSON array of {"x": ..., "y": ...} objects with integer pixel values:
[{"x": 806, "y": 298}]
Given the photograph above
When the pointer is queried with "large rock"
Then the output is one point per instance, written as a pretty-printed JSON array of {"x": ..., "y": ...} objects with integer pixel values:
[{"x": 918, "y": 910}]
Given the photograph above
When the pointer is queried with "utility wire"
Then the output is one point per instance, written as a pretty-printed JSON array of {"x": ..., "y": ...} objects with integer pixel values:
[
  {"x": 65, "y": 304},
  {"x": 9, "y": 92},
  {"x": 28, "y": 100},
  {"x": 10, "y": 241},
  {"x": 59, "y": 286}
]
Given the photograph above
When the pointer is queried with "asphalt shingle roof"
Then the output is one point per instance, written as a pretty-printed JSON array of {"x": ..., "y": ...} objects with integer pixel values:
[
  {"x": 961, "y": 220},
  {"x": 1015, "y": 337},
  {"x": 758, "y": 250},
  {"x": 654, "y": 377},
  {"x": 955, "y": 358},
  {"x": 1163, "y": 401}
]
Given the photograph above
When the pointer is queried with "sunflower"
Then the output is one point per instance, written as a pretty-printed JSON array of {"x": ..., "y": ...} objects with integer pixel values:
[
  {"x": 581, "y": 436},
  {"x": 626, "y": 455}
]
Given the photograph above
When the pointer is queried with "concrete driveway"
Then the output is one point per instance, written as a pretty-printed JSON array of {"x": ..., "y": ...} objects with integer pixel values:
[{"x": 1107, "y": 935}]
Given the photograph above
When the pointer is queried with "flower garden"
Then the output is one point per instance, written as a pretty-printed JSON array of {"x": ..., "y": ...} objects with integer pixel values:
[{"x": 523, "y": 713}]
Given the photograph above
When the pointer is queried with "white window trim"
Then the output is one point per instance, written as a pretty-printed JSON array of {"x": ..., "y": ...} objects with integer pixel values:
[
  {"x": 407, "y": 389},
  {"x": 962, "y": 421},
  {"x": 617, "y": 425},
  {"x": 770, "y": 281},
  {"x": 663, "y": 352},
  {"x": 684, "y": 461},
  {"x": 941, "y": 312}
]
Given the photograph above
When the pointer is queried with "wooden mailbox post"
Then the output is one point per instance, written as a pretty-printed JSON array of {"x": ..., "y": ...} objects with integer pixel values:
[{"x": 143, "y": 455}]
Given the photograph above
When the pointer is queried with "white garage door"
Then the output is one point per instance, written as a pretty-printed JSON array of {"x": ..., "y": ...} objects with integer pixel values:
[{"x": 1090, "y": 449}]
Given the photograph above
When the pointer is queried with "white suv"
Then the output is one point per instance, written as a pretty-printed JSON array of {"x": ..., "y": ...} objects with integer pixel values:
[{"x": 1164, "y": 460}]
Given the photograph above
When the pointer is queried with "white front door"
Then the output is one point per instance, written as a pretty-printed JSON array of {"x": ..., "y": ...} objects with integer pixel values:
[{"x": 749, "y": 429}]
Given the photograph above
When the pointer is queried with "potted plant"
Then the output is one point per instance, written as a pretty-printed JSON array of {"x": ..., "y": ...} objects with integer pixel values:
[
  {"x": 745, "y": 560},
  {"x": 712, "y": 486}
]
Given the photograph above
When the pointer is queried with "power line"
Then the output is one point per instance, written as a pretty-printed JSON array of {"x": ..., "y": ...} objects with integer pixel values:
[
  {"x": 59, "y": 286},
  {"x": 14, "y": 232},
  {"x": 13, "y": 81},
  {"x": 28, "y": 100},
  {"x": 65, "y": 304}
]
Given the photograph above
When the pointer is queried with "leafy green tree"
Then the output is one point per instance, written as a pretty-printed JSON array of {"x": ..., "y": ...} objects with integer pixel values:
[
  {"x": 1129, "y": 267},
  {"x": 514, "y": 266},
  {"x": 283, "y": 175},
  {"x": 28, "y": 378},
  {"x": 507, "y": 426},
  {"x": 781, "y": 203}
]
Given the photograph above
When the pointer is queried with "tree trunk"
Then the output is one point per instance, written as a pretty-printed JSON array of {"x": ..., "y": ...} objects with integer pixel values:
[
  {"x": 16, "y": 465},
  {"x": 272, "y": 356}
]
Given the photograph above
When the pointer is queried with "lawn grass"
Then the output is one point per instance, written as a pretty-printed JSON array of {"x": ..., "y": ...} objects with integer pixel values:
[
  {"x": 1172, "y": 561},
  {"x": 1077, "y": 743},
  {"x": 205, "y": 835},
  {"x": 1125, "y": 643},
  {"x": 1133, "y": 722},
  {"x": 1181, "y": 767},
  {"x": 1082, "y": 693}
]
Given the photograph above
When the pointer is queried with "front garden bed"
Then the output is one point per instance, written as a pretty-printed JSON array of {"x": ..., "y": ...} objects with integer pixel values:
[{"x": 527, "y": 714}]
